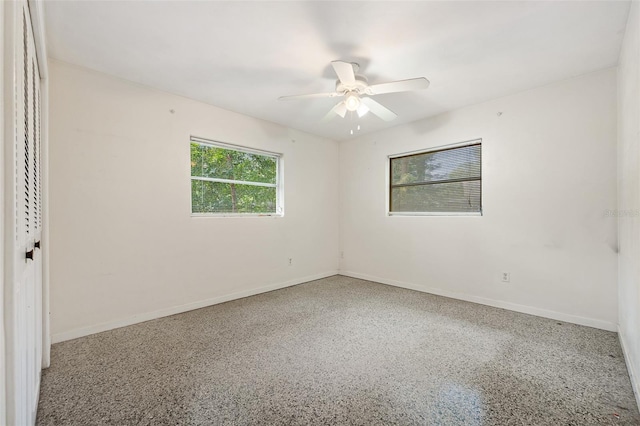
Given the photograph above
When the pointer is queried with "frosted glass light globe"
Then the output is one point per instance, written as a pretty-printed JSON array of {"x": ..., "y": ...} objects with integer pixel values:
[{"x": 352, "y": 101}]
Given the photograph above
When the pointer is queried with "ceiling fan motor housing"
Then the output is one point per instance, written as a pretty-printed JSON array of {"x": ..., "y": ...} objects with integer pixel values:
[{"x": 359, "y": 86}]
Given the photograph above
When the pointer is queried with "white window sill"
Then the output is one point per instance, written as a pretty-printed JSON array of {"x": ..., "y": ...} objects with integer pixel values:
[
  {"x": 218, "y": 215},
  {"x": 434, "y": 213}
]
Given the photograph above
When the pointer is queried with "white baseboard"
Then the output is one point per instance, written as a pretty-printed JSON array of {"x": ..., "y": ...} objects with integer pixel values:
[
  {"x": 575, "y": 319},
  {"x": 635, "y": 379},
  {"x": 165, "y": 312}
]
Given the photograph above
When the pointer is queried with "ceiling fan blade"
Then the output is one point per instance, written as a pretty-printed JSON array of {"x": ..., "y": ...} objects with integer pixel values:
[
  {"x": 398, "y": 86},
  {"x": 362, "y": 110},
  {"x": 378, "y": 109},
  {"x": 345, "y": 72},
  {"x": 310, "y": 96},
  {"x": 339, "y": 109}
]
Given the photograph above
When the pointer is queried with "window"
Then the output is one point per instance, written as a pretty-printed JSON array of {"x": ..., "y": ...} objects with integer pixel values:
[
  {"x": 230, "y": 180},
  {"x": 440, "y": 181}
]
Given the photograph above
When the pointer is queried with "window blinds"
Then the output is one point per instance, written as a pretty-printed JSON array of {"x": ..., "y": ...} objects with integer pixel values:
[{"x": 441, "y": 181}]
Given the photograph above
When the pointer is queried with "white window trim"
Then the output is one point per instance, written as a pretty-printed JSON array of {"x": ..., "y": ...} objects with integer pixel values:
[
  {"x": 239, "y": 182},
  {"x": 435, "y": 213},
  {"x": 423, "y": 151},
  {"x": 279, "y": 185},
  {"x": 437, "y": 148}
]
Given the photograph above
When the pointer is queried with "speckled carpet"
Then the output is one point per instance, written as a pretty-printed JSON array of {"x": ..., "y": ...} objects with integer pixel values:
[{"x": 341, "y": 351}]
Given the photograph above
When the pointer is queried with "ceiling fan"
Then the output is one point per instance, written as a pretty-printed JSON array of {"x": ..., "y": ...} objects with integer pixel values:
[{"x": 356, "y": 92}]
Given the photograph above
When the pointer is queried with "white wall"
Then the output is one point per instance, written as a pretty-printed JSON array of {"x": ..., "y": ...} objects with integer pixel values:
[
  {"x": 549, "y": 176},
  {"x": 629, "y": 195},
  {"x": 124, "y": 247}
]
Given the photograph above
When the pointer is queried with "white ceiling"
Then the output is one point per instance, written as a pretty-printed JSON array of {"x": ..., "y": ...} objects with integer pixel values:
[{"x": 242, "y": 55}]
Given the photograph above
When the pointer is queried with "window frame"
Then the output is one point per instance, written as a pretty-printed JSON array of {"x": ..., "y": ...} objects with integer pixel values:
[
  {"x": 279, "y": 185},
  {"x": 425, "y": 151}
]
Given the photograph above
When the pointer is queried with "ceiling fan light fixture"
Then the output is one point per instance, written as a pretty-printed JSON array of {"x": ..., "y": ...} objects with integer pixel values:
[{"x": 352, "y": 101}]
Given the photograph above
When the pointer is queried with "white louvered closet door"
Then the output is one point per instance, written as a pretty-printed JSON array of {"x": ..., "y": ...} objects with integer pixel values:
[{"x": 27, "y": 296}]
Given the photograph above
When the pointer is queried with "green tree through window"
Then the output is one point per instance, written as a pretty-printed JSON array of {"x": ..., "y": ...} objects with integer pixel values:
[{"x": 230, "y": 180}]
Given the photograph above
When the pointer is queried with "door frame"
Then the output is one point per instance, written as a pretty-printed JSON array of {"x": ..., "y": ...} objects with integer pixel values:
[{"x": 3, "y": 375}]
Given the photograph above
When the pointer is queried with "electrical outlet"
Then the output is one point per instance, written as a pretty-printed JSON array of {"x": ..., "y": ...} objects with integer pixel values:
[
  {"x": 506, "y": 277},
  {"x": 290, "y": 261}
]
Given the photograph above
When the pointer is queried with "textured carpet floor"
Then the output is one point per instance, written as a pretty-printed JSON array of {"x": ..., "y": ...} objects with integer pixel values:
[{"x": 341, "y": 351}]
